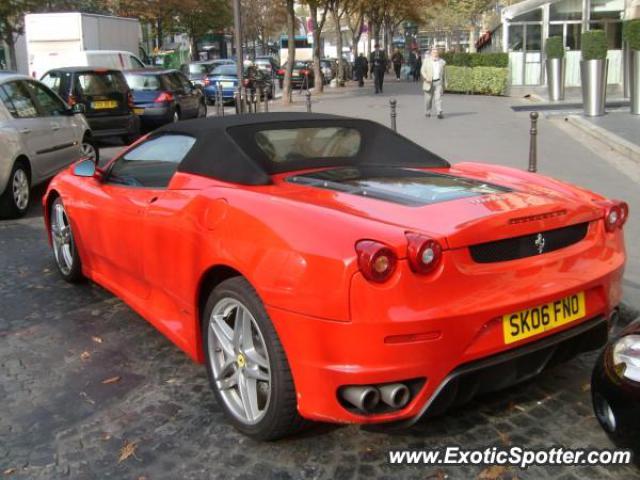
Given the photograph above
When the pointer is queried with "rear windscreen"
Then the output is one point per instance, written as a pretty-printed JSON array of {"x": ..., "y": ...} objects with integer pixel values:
[
  {"x": 290, "y": 144},
  {"x": 101, "y": 83},
  {"x": 198, "y": 68},
  {"x": 144, "y": 82}
]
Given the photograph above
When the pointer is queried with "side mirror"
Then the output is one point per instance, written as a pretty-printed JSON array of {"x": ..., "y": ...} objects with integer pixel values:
[
  {"x": 79, "y": 108},
  {"x": 85, "y": 168}
]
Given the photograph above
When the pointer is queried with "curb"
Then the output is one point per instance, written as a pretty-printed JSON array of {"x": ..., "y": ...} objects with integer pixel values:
[{"x": 619, "y": 144}]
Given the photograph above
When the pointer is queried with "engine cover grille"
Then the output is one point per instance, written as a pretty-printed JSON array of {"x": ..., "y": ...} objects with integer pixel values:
[{"x": 528, "y": 245}]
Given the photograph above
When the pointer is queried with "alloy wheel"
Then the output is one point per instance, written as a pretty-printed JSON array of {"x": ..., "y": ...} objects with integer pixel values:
[
  {"x": 239, "y": 360},
  {"x": 63, "y": 245},
  {"x": 88, "y": 151},
  {"x": 20, "y": 186}
]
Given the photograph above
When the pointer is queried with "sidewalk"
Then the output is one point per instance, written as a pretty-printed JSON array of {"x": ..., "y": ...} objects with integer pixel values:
[{"x": 486, "y": 129}]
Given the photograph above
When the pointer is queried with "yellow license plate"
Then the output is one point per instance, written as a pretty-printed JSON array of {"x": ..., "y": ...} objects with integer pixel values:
[
  {"x": 102, "y": 104},
  {"x": 138, "y": 111},
  {"x": 533, "y": 321}
]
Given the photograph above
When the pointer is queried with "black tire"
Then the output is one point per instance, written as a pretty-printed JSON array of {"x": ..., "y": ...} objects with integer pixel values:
[
  {"x": 9, "y": 206},
  {"x": 74, "y": 274},
  {"x": 90, "y": 141},
  {"x": 202, "y": 108},
  {"x": 281, "y": 418}
]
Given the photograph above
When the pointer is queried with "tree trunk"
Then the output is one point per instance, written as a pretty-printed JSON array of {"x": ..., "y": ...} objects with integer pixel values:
[
  {"x": 11, "y": 45},
  {"x": 317, "y": 72},
  {"x": 291, "y": 55},
  {"x": 159, "y": 33},
  {"x": 336, "y": 21},
  {"x": 472, "y": 40},
  {"x": 194, "y": 47}
]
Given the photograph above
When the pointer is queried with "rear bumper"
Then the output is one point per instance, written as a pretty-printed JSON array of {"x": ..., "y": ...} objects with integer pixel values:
[
  {"x": 155, "y": 115},
  {"x": 113, "y": 125},
  {"x": 443, "y": 328}
]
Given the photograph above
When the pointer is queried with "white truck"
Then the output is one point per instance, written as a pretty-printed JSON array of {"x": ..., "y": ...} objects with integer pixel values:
[{"x": 53, "y": 40}]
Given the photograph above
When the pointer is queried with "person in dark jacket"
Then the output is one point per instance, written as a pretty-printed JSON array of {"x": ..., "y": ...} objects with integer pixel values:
[
  {"x": 378, "y": 65},
  {"x": 397, "y": 59},
  {"x": 416, "y": 72},
  {"x": 360, "y": 67}
]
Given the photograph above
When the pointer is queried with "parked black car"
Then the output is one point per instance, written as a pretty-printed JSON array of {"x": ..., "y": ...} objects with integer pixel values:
[
  {"x": 615, "y": 389},
  {"x": 164, "y": 96},
  {"x": 302, "y": 77},
  {"x": 106, "y": 97}
]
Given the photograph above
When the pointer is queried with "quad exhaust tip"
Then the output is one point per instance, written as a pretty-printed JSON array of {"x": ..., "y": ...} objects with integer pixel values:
[{"x": 367, "y": 398}]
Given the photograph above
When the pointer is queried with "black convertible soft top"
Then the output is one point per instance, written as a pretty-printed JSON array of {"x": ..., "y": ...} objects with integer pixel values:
[{"x": 226, "y": 147}]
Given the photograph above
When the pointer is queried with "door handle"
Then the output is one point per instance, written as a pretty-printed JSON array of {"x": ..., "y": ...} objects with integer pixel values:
[{"x": 25, "y": 130}]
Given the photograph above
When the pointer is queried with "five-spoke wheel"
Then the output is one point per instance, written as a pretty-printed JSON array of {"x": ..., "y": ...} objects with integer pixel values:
[
  {"x": 63, "y": 244},
  {"x": 247, "y": 367}
]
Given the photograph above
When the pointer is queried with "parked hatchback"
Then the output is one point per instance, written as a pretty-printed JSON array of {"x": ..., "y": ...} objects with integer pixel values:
[
  {"x": 39, "y": 136},
  {"x": 105, "y": 95},
  {"x": 164, "y": 96},
  {"x": 198, "y": 71}
]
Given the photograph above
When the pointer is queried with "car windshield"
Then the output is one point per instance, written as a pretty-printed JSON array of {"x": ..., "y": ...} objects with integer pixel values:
[
  {"x": 101, "y": 83},
  {"x": 138, "y": 81},
  {"x": 290, "y": 144},
  {"x": 226, "y": 70},
  {"x": 198, "y": 68}
]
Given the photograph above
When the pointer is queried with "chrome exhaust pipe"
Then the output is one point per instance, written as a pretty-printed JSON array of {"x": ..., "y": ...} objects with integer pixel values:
[
  {"x": 363, "y": 397},
  {"x": 396, "y": 395}
]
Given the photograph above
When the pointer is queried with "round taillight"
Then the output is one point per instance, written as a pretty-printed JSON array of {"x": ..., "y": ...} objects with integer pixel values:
[
  {"x": 424, "y": 253},
  {"x": 376, "y": 261},
  {"x": 612, "y": 218}
]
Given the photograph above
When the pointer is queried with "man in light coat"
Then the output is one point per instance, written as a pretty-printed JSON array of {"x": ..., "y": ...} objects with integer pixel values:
[{"x": 433, "y": 80}]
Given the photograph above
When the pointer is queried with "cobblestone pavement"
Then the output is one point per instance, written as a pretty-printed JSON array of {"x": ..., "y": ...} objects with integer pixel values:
[{"x": 89, "y": 390}]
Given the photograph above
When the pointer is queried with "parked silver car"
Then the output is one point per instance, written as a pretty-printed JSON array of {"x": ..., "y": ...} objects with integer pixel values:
[{"x": 39, "y": 136}]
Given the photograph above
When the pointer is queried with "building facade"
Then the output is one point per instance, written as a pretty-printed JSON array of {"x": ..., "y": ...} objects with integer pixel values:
[{"x": 526, "y": 25}]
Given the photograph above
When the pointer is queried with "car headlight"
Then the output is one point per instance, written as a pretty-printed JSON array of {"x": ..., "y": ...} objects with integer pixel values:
[{"x": 626, "y": 357}]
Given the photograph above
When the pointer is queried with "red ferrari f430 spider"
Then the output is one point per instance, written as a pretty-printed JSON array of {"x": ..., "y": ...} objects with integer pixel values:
[{"x": 327, "y": 268}]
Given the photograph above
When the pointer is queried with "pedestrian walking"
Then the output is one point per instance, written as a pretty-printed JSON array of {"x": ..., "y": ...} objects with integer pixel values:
[
  {"x": 433, "y": 80},
  {"x": 378, "y": 66},
  {"x": 397, "y": 59},
  {"x": 360, "y": 67},
  {"x": 416, "y": 72}
]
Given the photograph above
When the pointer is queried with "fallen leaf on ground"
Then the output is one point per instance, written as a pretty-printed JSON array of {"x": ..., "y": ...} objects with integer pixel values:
[
  {"x": 115, "y": 379},
  {"x": 85, "y": 355},
  {"x": 96, "y": 339},
  {"x": 127, "y": 450},
  {"x": 171, "y": 380},
  {"x": 9, "y": 471},
  {"x": 437, "y": 475},
  {"x": 586, "y": 387},
  {"x": 492, "y": 473}
]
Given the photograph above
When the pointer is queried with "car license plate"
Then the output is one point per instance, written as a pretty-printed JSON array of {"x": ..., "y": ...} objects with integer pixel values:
[
  {"x": 138, "y": 111},
  {"x": 103, "y": 104},
  {"x": 533, "y": 321},
  {"x": 226, "y": 84}
]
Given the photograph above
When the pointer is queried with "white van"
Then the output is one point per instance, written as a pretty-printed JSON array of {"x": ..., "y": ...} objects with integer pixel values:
[{"x": 120, "y": 60}]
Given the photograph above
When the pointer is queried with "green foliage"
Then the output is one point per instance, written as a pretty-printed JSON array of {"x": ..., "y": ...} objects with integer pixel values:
[
  {"x": 631, "y": 33},
  {"x": 480, "y": 80},
  {"x": 500, "y": 60},
  {"x": 554, "y": 48},
  {"x": 594, "y": 45}
]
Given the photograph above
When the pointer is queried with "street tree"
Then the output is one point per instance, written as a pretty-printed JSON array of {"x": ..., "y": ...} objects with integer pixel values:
[
  {"x": 12, "y": 22},
  {"x": 338, "y": 8},
  {"x": 261, "y": 21},
  {"x": 291, "y": 53},
  {"x": 317, "y": 7},
  {"x": 199, "y": 17}
]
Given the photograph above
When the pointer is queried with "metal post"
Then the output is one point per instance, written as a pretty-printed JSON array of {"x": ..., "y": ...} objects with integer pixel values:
[
  {"x": 221, "y": 100},
  {"x": 308, "y": 95},
  {"x": 254, "y": 101},
  {"x": 533, "y": 147},
  {"x": 393, "y": 103},
  {"x": 260, "y": 94},
  {"x": 266, "y": 103},
  {"x": 236, "y": 99},
  {"x": 219, "y": 106}
]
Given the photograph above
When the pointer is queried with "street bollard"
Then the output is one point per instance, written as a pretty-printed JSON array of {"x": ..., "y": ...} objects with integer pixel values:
[
  {"x": 533, "y": 147},
  {"x": 308, "y": 100},
  {"x": 393, "y": 103},
  {"x": 254, "y": 100},
  {"x": 236, "y": 99},
  {"x": 266, "y": 103},
  {"x": 260, "y": 94},
  {"x": 221, "y": 101},
  {"x": 218, "y": 99}
]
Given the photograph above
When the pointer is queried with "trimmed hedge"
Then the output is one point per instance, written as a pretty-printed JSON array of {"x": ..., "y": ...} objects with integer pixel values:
[
  {"x": 500, "y": 60},
  {"x": 631, "y": 33},
  {"x": 594, "y": 45},
  {"x": 480, "y": 80},
  {"x": 554, "y": 48}
]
